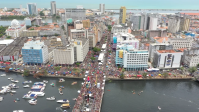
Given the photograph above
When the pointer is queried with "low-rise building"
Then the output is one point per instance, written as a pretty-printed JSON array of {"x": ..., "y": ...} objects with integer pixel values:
[
  {"x": 119, "y": 29},
  {"x": 30, "y": 33},
  {"x": 35, "y": 52},
  {"x": 130, "y": 58},
  {"x": 86, "y": 23},
  {"x": 179, "y": 43},
  {"x": 78, "y": 24},
  {"x": 78, "y": 33},
  {"x": 167, "y": 58},
  {"x": 191, "y": 57}
]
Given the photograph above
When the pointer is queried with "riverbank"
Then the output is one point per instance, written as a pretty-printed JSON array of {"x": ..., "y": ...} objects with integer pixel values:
[{"x": 138, "y": 79}]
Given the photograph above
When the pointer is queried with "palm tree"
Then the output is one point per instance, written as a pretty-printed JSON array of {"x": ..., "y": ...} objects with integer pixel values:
[{"x": 144, "y": 74}]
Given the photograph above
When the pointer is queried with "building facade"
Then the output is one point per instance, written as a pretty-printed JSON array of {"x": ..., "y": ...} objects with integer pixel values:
[
  {"x": 119, "y": 29},
  {"x": 167, "y": 59},
  {"x": 78, "y": 33},
  {"x": 86, "y": 23},
  {"x": 35, "y": 52},
  {"x": 15, "y": 29},
  {"x": 76, "y": 14},
  {"x": 32, "y": 9},
  {"x": 130, "y": 58},
  {"x": 122, "y": 17},
  {"x": 53, "y": 8},
  {"x": 181, "y": 42},
  {"x": 174, "y": 24},
  {"x": 191, "y": 57},
  {"x": 102, "y": 8}
]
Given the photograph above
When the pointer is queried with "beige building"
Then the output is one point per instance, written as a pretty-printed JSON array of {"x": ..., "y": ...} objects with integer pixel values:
[
  {"x": 122, "y": 18},
  {"x": 181, "y": 42},
  {"x": 86, "y": 23},
  {"x": 92, "y": 38},
  {"x": 78, "y": 24},
  {"x": 78, "y": 33},
  {"x": 30, "y": 33}
]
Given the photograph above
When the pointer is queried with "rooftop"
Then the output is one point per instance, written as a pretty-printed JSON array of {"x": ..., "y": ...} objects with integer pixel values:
[
  {"x": 33, "y": 45},
  {"x": 171, "y": 51}
]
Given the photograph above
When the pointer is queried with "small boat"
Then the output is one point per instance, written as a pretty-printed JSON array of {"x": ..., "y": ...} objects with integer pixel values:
[
  {"x": 74, "y": 99},
  {"x": 74, "y": 83},
  {"x": 62, "y": 87},
  {"x": 26, "y": 82},
  {"x": 29, "y": 96},
  {"x": 13, "y": 91},
  {"x": 32, "y": 101},
  {"x": 14, "y": 80},
  {"x": 17, "y": 99},
  {"x": 61, "y": 92},
  {"x": 45, "y": 81},
  {"x": 61, "y": 80},
  {"x": 9, "y": 78},
  {"x": 51, "y": 98},
  {"x": 63, "y": 101},
  {"x": 65, "y": 105},
  {"x": 26, "y": 86},
  {"x": 37, "y": 93},
  {"x": 1, "y": 98},
  {"x": 159, "y": 108},
  {"x": 18, "y": 111},
  {"x": 3, "y": 75},
  {"x": 15, "y": 87}
]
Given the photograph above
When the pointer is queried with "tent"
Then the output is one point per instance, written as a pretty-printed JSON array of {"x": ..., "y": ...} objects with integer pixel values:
[
  {"x": 139, "y": 75},
  {"x": 159, "y": 74}
]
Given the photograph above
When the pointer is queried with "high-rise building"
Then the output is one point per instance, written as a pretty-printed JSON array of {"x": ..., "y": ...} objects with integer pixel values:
[
  {"x": 53, "y": 8},
  {"x": 32, "y": 9},
  {"x": 122, "y": 18},
  {"x": 76, "y": 14},
  {"x": 184, "y": 23},
  {"x": 102, "y": 8},
  {"x": 174, "y": 24}
]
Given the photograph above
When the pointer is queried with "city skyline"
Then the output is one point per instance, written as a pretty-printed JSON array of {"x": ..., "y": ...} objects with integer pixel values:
[{"x": 89, "y": 4}]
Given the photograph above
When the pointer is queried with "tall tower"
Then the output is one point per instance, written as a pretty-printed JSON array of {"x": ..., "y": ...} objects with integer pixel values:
[
  {"x": 53, "y": 8},
  {"x": 32, "y": 9},
  {"x": 122, "y": 18},
  {"x": 102, "y": 8}
]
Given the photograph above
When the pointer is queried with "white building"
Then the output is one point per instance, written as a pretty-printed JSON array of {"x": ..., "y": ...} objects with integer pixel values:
[
  {"x": 130, "y": 58},
  {"x": 167, "y": 59},
  {"x": 78, "y": 33},
  {"x": 181, "y": 42},
  {"x": 119, "y": 29},
  {"x": 126, "y": 38},
  {"x": 153, "y": 23},
  {"x": 15, "y": 29},
  {"x": 174, "y": 24},
  {"x": 53, "y": 8},
  {"x": 191, "y": 57},
  {"x": 101, "y": 57},
  {"x": 35, "y": 52},
  {"x": 102, "y": 8}
]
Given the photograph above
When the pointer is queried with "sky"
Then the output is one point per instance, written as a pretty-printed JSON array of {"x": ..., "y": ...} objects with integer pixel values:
[{"x": 109, "y": 4}]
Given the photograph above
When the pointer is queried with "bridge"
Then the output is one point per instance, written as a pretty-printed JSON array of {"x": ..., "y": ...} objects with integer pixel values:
[{"x": 158, "y": 9}]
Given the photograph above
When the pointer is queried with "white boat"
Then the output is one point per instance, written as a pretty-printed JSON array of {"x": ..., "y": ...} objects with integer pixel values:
[
  {"x": 10, "y": 91},
  {"x": 9, "y": 78},
  {"x": 51, "y": 98},
  {"x": 26, "y": 86},
  {"x": 37, "y": 93},
  {"x": 61, "y": 80},
  {"x": 29, "y": 96},
  {"x": 13, "y": 91},
  {"x": 63, "y": 101},
  {"x": 159, "y": 108},
  {"x": 27, "y": 82},
  {"x": 32, "y": 101},
  {"x": 18, "y": 111},
  {"x": 45, "y": 81},
  {"x": 3, "y": 75},
  {"x": 52, "y": 84},
  {"x": 14, "y": 80},
  {"x": 15, "y": 87},
  {"x": 1, "y": 98},
  {"x": 74, "y": 99},
  {"x": 61, "y": 92}
]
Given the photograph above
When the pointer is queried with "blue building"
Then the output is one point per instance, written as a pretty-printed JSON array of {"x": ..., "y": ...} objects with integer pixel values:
[
  {"x": 35, "y": 52},
  {"x": 32, "y": 9},
  {"x": 130, "y": 58}
]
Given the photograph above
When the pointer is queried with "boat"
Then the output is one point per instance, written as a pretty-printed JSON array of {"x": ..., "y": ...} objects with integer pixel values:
[
  {"x": 18, "y": 111},
  {"x": 40, "y": 83},
  {"x": 15, "y": 87},
  {"x": 32, "y": 101},
  {"x": 10, "y": 91},
  {"x": 51, "y": 98},
  {"x": 61, "y": 92},
  {"x": 63, "y": 101},
  {"x": 13, "y": 91},
  {"x": 9, "y": 78},
  {"x": 26, "y": 82},
  {"x": 37, "y": 88},
  {"x": 74, "y": 99},
  {"x": 159, "y": 108},
  {"x": 52, "y": 84},
  {"x": 45, "y": 81},
  {"x": 12, "y": 80},
  {"x": 74, "y": 83},
  {"x": 26, "y": 86},
  {"x": 29, "y": 96},
  {"x": 3, "y": 75},
  {"x": 1, "y": 98},
  {"x": 37, "y": 93},
  {"x": 65, "y": 105},
  {"x": 62, "y": 87},
  {"x": 61, "y": 80},
  {"x": 38, "y": 78},
  {"x": 17, "y": 99}
]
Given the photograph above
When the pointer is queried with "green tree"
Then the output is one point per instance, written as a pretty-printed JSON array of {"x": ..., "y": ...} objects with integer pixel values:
[
  {"x": 8, "y": 37},
  {"x": 57, "y": 68},
  {"x": 92, "y": 58},
  {"x": 77, "y": 64},
  {"x": 41, "y": 13},
  {"x": 95, "y": 49},
  {"x": 63, "y": 27},
  {"x": 182, "y": 68},
  {"x": 165, "y": 74},
  {"x": 109, "y": 51},
  {"x": 123, "y": 70},
  {"x": 198, "y": 65},
  {"x": 192, "y": 70},
  {"x": 56, "y": 34},
  {"x": 26, "y": 72},
  {"x": 122, "y": 76},
  {"x": 144, "y": 74},
  {"x": 45, "y": 35},
  {"x": 32, "y": 29},
  {"x": 57, "y": 16},
  {"x": 109, "y": 28}
]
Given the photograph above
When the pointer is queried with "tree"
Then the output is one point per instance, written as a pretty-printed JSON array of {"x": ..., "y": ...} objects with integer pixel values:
[
  {"x": 57, "y": 68},
  {"x": 95, "y": 49},
  {"x": 92, "y": 58},
  {"x": 109, "y": 28},
  {"x": 77, "y": 64},
  {"x": 165, "y": 74},
  {"x": 182, "y": 68},
  {"x": 109, "y": 51},
  {"x": 44, "y": 72},
  {"x": 45, "y": 35},
  {"x": 122, "y": 76},
  {"x": 83, "y": 70},
  {"x": 41, "y": 13},
  {"x": 56, "y": 34},
  {"x": 123, "y": 70},
  {"x": 32, "y": 29},
  {"x": 8, "y": 37},
  {"x": 144, "y": 74},
  {"x": 198, "y": 65},
  {"x": 57, "y": 16},
  {"x": 63, "y": 27},
  {"x": 26, "y": 72},
  {"x": 192, "y": 70}
]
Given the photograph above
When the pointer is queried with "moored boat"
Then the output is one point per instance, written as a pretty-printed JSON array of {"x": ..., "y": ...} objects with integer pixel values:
[
  {"x": 74, "y": 83},
  {"x": 63, "y": 101},
  {"x": 61, "y": 80},
  {"x": 51, "y": 98},
  {"x": 1, "y": 98},
  {"x": 26, "y": 86},
  {"x": 12, "y": 80},
  {"x": 65, "y": 105},
  {"x": 3, "y": 75},
  {"x": 26, "y": 82},
  {"x": 32, "y": 101},
  {"x": 37, "y": 93}
]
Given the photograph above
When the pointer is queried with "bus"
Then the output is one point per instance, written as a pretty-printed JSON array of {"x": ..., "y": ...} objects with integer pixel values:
[{"x": 153, "y": 70}]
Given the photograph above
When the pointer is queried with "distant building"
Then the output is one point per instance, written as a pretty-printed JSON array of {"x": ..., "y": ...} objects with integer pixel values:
[
  {"x": 174, "y": 24},
  {"x": 27, "y": 21},
  {"x": 15, "y": 29},
  {"x": 86, "y": 23},
  {"x": 157, "y": 33},
  {"x": 76, "y": 14},
  {"x": 181, "y": 42},
  {"x": 30, "y": 33},
  {"x": 32, "y": 9},
  {"x": 35, "y": 52},
  {"x": 92, "y": 39},
  {"x": 53, "y": 8},
  {"x": 158, "y": 46},
  {"x": 80, "y": 7},
  {"x": 119, "y": 29},
  {"x": 78, "y": 24},
  {"x": 78, "y": 33},
  {"x": 122, "y": 17},
  {"x": 167, "y": 58},
  {"x": 184, "y": 23},
  {"x": 153, "y": 22},
  {"x": 130, "y": 58},
  {"x": 102, "y": 8},
  {"x": 191, "y": 57}
]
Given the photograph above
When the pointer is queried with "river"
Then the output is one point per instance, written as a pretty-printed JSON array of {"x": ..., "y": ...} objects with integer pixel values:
[{"x": 170, "y": 95}]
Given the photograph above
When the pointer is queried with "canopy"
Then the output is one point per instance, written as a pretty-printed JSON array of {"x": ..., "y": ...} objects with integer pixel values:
[
  {"x": 159, "y": 74},
  {"x": 66, "y": 104},
  {"x": 139, "y": 75}
]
